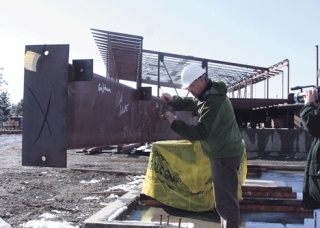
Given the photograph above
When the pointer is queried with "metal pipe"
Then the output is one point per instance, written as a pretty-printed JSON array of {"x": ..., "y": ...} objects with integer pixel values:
[
  {"x": 317, "y": 64},
  {"x": 170, "y": 78}
]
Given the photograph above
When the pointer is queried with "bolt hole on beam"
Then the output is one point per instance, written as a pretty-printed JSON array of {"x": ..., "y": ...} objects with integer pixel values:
[
  {"x": 46, "y": 52},
  {"x": 43, "y": 158}
]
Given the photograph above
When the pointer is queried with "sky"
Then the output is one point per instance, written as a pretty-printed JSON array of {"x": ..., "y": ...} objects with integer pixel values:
[{"x": 254, "y": 32}]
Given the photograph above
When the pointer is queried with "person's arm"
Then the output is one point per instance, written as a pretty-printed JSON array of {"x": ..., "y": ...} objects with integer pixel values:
[
  {"x": 206, "y": 117},
  {"x": 183, "y": 104},
  {"x": 310, "y": 114},
  {"x": 179, "y": 103}
]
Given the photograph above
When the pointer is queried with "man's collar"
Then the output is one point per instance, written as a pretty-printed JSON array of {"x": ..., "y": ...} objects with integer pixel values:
[{"x": 206, "y": 91}]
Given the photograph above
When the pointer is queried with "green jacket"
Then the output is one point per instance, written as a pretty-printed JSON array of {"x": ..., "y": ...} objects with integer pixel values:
[
  {"x": 217, "y": 129},
  {"x": 310, "y": 119}
]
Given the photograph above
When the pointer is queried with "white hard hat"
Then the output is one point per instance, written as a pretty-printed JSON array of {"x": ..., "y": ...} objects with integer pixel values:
[{"x": 191, "y": 73}]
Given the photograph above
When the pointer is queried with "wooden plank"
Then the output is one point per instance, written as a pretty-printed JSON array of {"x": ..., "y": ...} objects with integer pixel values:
[
  {"x": 274, "y": 208},
  {"x": 265, "y": 194},
  {"x": 274, "y": 205},
  {"x": 247, "y": 188},
  {"x": 271, "y": 201},
  {"x": 255, "y": 167}
]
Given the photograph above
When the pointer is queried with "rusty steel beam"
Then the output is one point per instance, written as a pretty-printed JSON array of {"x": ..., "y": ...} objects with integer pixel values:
[
  {"x": 105, "y": 112},
  {"x": 67, "y": 107}
]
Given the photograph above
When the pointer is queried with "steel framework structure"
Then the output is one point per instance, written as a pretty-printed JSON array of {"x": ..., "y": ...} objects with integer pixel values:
[
  {"x": 67, "y": 106},
  {"x": 125, "y": 59}
]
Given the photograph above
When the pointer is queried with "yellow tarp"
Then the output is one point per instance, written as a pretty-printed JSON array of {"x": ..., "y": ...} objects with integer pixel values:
[{"x": 179, "y": 175}]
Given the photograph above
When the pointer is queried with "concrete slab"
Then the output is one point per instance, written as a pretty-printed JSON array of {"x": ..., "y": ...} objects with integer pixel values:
[
  {"x": 115, "y": 210},
  {"x": 309, "y": 223},
  {"x": 128, "y": 212}
]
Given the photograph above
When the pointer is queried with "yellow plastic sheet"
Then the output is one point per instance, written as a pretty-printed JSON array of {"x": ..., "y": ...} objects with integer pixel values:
[{"x": 179, "y": 175}]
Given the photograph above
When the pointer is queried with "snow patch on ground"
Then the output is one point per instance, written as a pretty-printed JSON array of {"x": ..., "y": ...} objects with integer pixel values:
[{"x": 45, "y": 218}]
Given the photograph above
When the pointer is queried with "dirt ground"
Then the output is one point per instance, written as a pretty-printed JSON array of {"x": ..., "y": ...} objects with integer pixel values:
[
  {"x": 70, "y": 195},
  {"x": 27, "y": 193}
]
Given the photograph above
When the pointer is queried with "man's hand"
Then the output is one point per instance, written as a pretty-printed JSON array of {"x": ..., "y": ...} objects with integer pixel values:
[
  {"x": 166, "y": 97},
  {"x": 169, "y": 117},
  {"x": 310, "y": 96}
]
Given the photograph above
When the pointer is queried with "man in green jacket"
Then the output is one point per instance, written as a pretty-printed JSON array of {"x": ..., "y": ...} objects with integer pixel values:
[
  {"x": 218, "y": 133},
  {"x": 310, "y": 118}
]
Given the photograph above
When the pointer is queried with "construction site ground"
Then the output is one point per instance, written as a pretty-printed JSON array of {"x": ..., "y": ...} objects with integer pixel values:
[{"x": 71, "y": 194}]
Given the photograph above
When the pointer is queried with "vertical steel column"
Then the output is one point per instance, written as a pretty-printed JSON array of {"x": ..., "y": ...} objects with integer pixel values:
[
  {"x": 282, "y": 90},
  {"x": 268, "y": 85},
  {"x": 288, "y": 78},
  {"x": 158, "y": 93},
  {"x": 245, "y": 90},
  {"x": 44, "y": 141},
  {"x": 108, "y": 61},
  {"x": 205, "y": 65},
  {"x": 251, "y": 89},
  {"x": 317, "y": 65},
  {"x": 139, "y": 73}
]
